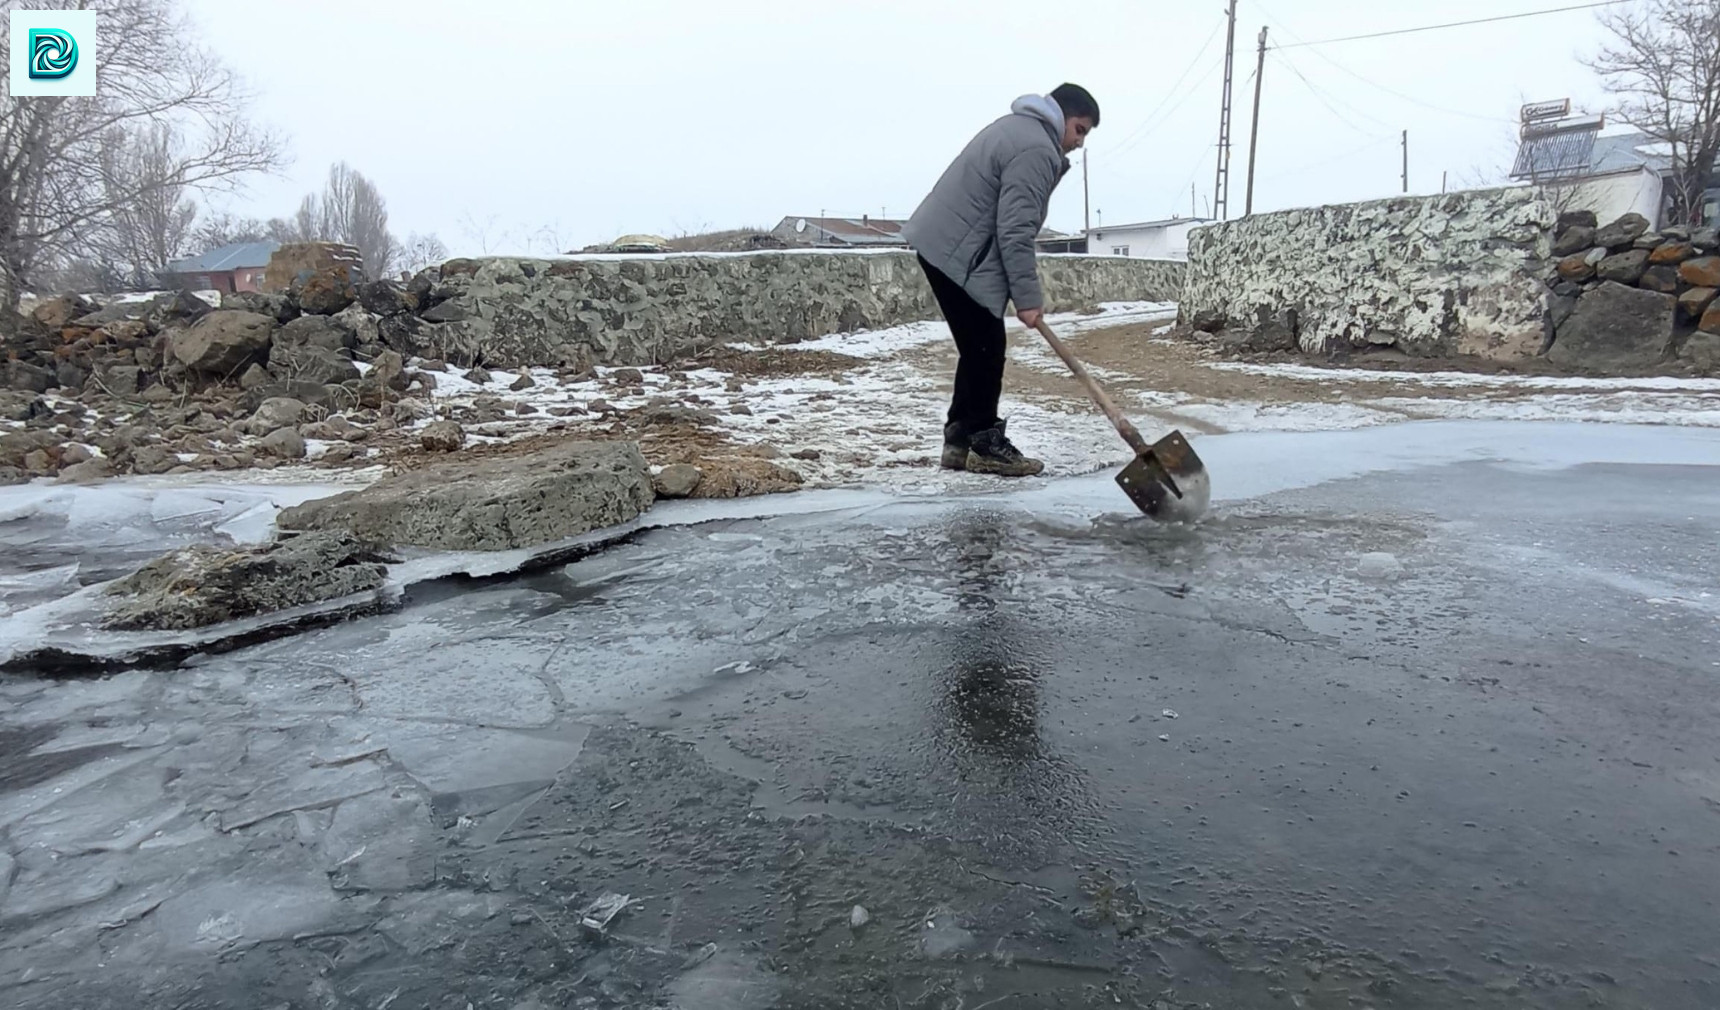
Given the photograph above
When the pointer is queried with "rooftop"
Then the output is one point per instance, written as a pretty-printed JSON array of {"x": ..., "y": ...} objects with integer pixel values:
[
  {"x": 1166, "y": 223},
  {"x": 235, "y": 256}
]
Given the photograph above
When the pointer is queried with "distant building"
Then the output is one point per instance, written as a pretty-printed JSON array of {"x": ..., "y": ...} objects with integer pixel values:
[
  {"x": 231, "y": 268},
  {"x": 840, "y": 232},
  {"x": 1159, "y": 240},
  {"x": 1053, "y": 241}
]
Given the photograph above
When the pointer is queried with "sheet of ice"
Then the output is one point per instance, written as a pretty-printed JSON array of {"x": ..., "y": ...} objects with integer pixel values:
[{"x": 1313, "y": 373}]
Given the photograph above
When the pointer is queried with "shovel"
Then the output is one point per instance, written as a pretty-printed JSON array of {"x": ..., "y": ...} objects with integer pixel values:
[{"x": 1166, "y": 480}]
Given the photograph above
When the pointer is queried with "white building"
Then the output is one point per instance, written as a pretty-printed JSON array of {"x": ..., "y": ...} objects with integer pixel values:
[{"x": 1159, "y": 240}]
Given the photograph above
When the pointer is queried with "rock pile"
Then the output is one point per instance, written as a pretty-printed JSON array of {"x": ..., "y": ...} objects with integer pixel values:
[{"x": 1627, "y": 299}]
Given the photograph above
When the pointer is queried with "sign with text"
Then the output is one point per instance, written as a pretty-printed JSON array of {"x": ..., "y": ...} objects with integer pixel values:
[{"x": 1546, "y": 110}]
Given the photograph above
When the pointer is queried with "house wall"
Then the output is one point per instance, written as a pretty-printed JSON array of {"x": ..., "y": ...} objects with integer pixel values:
[
  {"x": 643, "y": 309},
  {"x": 1162, "y": 242},
  {"x": 1460, "y": 273},
  {"x": 1613, "y": 196}
]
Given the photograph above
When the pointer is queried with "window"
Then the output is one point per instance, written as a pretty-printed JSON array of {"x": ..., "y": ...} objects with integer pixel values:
[{"x": 1119, "y": 250}]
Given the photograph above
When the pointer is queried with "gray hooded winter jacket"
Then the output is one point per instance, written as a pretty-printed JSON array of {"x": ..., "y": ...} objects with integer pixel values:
[{"x": 979, "y": 224}]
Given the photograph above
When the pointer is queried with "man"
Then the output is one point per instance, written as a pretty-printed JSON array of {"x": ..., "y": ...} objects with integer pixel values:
[{"x": 975, "y": 235}]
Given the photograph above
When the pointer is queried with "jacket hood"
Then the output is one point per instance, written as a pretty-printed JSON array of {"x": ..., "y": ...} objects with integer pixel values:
[{"x": 1047, "y": 111}]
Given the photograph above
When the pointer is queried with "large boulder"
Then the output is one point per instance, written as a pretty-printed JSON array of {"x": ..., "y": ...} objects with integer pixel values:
[
  {"x": 28, "y": 377},
  {"x": 1625, "y": 267},
  {"x": 262, "y": 303},
  {"x": 326, "y": 332},
  {"x": 383, "y": 298},
  {"x": 275, "y": 413},
  {"x": 1663, "y": 279},
  {"x": 1574, "y": 240},
  {"x": 1702, "y": 350},
  {"x": 1576, "y": 219},
  {"x": 201, "y": 585},
  {"x": 1623, "y": 233},
  {"x": 179, "y": 308},
  {"x": 223, "y": 342},
  {"x": 56, "y": 313},
  {"x": 1616, "y": 329},
  {"x": 325, "y": 290},
  {"x": 491, "y": 504},
  {"x": 310, "y": 363}
]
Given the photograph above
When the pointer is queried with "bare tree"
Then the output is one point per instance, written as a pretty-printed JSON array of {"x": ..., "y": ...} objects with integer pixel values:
[
  {"x": 1664, "y": 66},
  {"x": 150, "y": 217},
  {"x": 350, "y": 209},
  {"x": 216, "y": 230},
  {"x": 53, "y": 197},
  {"x": 484, "y": 236},
  {"x": 422, "y": 251}
]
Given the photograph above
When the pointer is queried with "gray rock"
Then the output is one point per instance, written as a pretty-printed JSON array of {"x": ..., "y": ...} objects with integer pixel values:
[
  {"x": 1573, "y": 241},
  {"x": 71, "y": 377},
  {"x": 1705, "y": 239},
  {"x": 327, "y": 332},
  {"x": 254, "y": 377},
  {"x": 678, "y": 480},
  {"x": 1560, "y": 308},
  {"x": 407, "y": 409},
  {"x": 74, "y": 454},
  {"x": 223, "y": 342},
  {"x": 278, "y": 307},
  {"x": 10, "y": 475},
  {"x": 389, "y": 370},
  {"x": 1625, "y": 267},
  {"x": 21, "y": 405},
  {"x": 201, "y": 586},
  {"x": 28, "y": 377},
  {"x": 479, "y": 375},
  {"x": 442, "y": 436},
  {"x": 37, "y": 461},
  {"x": 179, "y": 308},
  {"x": 384, "y": 298},
  {"x": 57, "y": 313},
  {"x": 285, "y": 443},
  {"x": 121, "y": 380},
  {"x": 492, "y": 504},
  {"x": 1675, "y": 233},
  {"x": 88, "y": 471},
  {"x": 1622, "y": 233},
  {"x": 1703, "y": 351},
  {"x": 153, "y": 459},
  {"x": 1576, "y": 219},
  {"x": 1616, "y": 328},
  {"x": 275, "y": 413},
  {"x": 1649, "y": 240},
  {"x": 310, "y": 363},
  {"x": 627, "y": 377},
  {"x": 524, "y": 382}
]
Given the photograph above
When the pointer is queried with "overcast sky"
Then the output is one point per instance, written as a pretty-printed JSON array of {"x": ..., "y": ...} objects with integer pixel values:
[{"x": 491, "y": 123}]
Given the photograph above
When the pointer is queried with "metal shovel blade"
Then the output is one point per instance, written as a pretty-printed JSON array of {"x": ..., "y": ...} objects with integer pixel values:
[{"x": 1168, "y": 481}]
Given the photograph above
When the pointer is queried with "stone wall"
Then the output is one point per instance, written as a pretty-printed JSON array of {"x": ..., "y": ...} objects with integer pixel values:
[
  {"x": 1627, "y": 299},
  {"x": 638, "y": 310},
  {"x": 1461, "y": 273}
]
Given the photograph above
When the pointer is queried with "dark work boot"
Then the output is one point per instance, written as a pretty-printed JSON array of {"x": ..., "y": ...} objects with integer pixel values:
[
  {"x": 955, "y": 446},
  {"x": 991, "y": 451}
]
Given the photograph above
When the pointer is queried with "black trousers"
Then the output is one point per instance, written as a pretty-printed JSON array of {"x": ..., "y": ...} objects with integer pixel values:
[{"x": 980, "y": 341}]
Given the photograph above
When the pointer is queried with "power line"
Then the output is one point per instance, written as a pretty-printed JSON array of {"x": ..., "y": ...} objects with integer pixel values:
[
  {"x": 1328, "y": 101},
  {"x": 1411, "y": 99},
  {"x": 1456, "y": 24},
  {"x": 1171, "y": 92}
]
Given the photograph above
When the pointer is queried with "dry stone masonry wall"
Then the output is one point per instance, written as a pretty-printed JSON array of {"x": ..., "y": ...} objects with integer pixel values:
[
  {"x": 1627, "y": 299},
  {"x": 508, "y": 312},
  {"x": 1461, "y": 273}
]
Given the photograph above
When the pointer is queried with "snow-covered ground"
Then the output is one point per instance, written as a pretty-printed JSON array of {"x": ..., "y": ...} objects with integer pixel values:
[{"x": 879, "y": 423}]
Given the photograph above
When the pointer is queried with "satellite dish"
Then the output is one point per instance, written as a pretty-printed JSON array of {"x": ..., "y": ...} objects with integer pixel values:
[{"x": 800, "y": 225}]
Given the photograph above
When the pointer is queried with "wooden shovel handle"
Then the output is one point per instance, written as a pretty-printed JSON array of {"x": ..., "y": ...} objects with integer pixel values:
[{"x": 1124, "y": 427}]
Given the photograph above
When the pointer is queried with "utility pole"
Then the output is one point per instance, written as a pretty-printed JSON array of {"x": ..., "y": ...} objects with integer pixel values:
[
  {"x": 1442, "y": 177},
  {"x": 1086, "y": 195},
  {"x": 1406, "y": 161},
  {"x": 1254, "y": 127},
  {"x": 1221, "y": 185},
  {"x": 1193, "y": 208}
]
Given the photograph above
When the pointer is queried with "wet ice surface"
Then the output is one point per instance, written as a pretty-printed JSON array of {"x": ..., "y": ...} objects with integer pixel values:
[{"x": 1482, "y": 773}]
